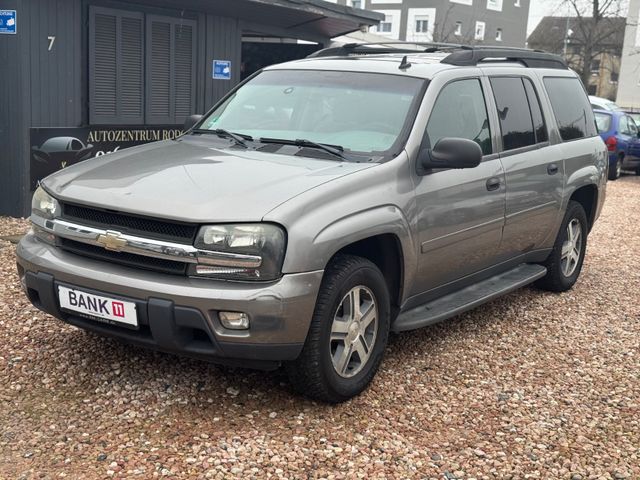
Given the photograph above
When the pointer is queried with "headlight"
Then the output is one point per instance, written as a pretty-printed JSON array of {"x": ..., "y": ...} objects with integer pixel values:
[
  {"x": 44, "y": 205},
  {"x": 240, "y": 252}
]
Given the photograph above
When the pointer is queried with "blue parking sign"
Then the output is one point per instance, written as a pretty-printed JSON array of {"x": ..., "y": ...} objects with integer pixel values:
[
  {"x": 222, "y": 70},
  {"x": 8, "y": 22}
]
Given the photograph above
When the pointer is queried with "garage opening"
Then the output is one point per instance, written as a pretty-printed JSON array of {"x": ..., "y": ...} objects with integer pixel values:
[{"x": 259, "y": 52}]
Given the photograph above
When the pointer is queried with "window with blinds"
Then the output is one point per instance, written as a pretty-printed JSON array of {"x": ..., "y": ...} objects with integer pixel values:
[{"x": 142, "y": 68}]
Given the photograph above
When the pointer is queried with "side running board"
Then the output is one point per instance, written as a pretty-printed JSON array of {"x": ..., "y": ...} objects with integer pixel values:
[{"x": 468, "y": 298}]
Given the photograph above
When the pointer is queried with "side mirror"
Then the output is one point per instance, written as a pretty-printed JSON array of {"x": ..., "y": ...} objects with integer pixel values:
[
  {"x": 191, "y": 121},
  {"x": 451, "y": 153}
]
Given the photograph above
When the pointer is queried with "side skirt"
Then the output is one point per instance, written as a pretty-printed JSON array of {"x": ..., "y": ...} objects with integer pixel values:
[{"x": 468, "y": 298}]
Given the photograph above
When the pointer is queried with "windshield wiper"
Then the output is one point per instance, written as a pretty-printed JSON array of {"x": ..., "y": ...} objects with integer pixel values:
[
  {"x": 221, "y": 132},
  {"x": 335, "y": 150}
]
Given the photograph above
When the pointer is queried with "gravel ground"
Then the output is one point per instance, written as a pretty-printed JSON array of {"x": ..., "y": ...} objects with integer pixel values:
[{"x": 534, "y": 385}]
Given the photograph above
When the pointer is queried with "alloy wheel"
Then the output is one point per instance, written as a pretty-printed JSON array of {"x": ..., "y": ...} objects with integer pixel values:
[
  {"x": 353, "y": 331},
  {"x": 571, "y": 248}
]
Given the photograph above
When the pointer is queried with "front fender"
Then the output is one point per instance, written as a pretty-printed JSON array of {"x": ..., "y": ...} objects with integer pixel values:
[{"x": 385, "y": 219}]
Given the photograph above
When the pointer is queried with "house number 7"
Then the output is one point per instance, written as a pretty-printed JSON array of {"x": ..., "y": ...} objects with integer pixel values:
[{"x": 52, "y": 40}]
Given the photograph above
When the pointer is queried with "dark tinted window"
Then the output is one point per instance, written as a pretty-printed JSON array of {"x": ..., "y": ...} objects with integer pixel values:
[
  {"x": 571, "y": 108},
  {"x": 603, "y": 122},
  {"x": 536, "y": 112},
  {"x": 514, "y": 113},
  {"x": 460, "y": 111}
]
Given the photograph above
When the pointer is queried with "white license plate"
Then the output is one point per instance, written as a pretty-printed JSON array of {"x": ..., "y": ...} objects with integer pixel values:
[{"x": 96, "y": 307}]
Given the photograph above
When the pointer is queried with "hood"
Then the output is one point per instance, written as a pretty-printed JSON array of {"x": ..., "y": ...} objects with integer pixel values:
[{"x": 191, "y": 180}]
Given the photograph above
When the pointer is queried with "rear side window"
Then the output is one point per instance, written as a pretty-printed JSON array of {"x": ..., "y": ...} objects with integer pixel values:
[
  {"x": 514, "y": 113},
  {"x": 603, "y": 122},
  {"x": 460, "y": 111},
  {"x": 571, "y": 107}
]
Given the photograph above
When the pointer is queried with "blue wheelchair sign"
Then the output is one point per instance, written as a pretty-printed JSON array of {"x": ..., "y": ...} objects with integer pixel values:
[
  {"x": 8, "y": 22},
  {"x": 222, "y": 69}
]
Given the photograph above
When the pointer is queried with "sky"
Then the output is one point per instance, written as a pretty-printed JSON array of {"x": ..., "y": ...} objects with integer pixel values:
[{"x": 541, "y": 8}]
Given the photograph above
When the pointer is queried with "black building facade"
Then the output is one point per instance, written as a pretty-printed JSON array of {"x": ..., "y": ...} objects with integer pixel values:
[{"x": 80, "y": 78}]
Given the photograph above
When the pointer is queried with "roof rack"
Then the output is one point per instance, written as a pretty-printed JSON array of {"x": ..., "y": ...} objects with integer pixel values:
[
  {"x": 384, "y": 48},
  {"x": 460, "y": 55}
]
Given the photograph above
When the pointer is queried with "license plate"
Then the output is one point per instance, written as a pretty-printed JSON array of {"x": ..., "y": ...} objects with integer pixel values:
[{"x": 99, "y": 308}]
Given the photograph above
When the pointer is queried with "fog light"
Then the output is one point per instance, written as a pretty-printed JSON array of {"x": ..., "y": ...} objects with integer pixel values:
[
  {"x": 23, "y": 278},
  {"x": 234, "y": 320}
]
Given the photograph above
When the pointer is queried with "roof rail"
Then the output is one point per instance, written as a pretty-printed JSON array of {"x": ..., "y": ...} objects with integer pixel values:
[
  {"x": 529, "y": 58},
  {"x": 460, "y": 55},
  {"x": 382, "y": 48}
]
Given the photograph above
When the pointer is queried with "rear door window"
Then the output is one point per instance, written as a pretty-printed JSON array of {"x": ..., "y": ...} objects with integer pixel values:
[
  {"x": 460, "y": 111},
  {"x": 571, "y": 107},
  {"x": 623, "y": 126},
  {"x": 514, "y": 113},
  {"x": 629, "y": 126}
]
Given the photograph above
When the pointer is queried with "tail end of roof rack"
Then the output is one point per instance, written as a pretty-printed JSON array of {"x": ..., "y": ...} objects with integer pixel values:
[{"x": 528, "y": 58}]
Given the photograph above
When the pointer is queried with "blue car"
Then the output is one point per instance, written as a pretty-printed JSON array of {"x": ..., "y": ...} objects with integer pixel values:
[{"x": 620, "y": 133}]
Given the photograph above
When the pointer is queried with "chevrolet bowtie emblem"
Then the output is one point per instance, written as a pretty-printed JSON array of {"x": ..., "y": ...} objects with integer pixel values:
[{"x": 112, "y": 241}]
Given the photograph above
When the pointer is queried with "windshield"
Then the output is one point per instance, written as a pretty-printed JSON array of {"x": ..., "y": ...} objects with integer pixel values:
[
  {"x": 603, "y": 122},
  {"x": 363, "y": 113}
]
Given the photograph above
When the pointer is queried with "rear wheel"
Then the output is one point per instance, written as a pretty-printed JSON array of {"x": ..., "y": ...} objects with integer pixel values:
[
  {"x": 616, "y": 171},
  {"x": 348, "y": 332},
  {"x": 565, "y": 262}
]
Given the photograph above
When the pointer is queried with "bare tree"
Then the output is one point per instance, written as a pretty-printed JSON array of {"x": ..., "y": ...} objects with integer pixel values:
[{"x": 595, "y": 30}]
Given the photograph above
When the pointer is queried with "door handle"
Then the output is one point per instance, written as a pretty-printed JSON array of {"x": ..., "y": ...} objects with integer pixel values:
[
  {"x": 493, "y": 184},
  {"x": 552, "y": 169}
]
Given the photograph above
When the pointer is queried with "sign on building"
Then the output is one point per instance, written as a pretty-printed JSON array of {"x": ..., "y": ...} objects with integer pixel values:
[
  {"x": 8, "y": 22},
  {"x": 222, "y": 70},
  {"x": 53, "y": 149}
]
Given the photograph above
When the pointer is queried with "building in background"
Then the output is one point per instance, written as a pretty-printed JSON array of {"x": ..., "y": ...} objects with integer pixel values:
[
  {"x": 629, "y": 82},
  {"x": 592, "y": 52},
  {"x": 82, "y": 78},
  {"x": 489, "y": 22}
]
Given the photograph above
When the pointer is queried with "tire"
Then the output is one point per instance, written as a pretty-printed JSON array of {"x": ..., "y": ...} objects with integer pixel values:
[
  {"x": 638, "y": 171},
  {"x": 562, "y": 273},
  {"x": 315, "y": 372},
  {"x": 616, "y": 171}
]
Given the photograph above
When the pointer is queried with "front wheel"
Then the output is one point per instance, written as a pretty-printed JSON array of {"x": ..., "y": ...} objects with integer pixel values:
[
  {"x": 348, "y": 332},
  {"x": 565, "y": 261}
]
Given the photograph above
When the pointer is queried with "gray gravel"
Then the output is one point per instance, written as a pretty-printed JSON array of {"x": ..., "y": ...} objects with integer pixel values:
[{"x": 534, "y": 385}]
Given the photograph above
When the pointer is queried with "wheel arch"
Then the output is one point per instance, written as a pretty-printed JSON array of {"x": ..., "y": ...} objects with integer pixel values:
[
  {"x": 587, "y": 196},
  {"x": 385, "y": 251}
]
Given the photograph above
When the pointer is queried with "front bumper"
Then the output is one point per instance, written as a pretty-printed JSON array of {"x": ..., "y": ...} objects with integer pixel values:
[{"x": 179, "y": 314}]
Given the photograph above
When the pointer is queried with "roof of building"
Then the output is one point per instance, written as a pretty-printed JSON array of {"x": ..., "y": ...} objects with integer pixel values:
[
  {"x": 551, "y": 32},
  {"x": 297, "y": 18}
]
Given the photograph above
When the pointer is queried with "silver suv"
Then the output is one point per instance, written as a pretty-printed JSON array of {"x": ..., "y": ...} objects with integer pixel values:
[{"x": 324, "y": 203}]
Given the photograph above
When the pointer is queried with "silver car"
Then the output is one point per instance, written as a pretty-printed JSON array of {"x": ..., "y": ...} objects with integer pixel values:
[{"x": 324, "y": 203}]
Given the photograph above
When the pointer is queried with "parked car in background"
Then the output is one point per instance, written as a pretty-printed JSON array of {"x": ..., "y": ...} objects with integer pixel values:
[
  {"x": 620, "y": 133},
  {"x": 599, "y": 103}
]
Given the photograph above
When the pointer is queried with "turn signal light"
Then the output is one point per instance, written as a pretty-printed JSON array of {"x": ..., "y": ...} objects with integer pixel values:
[{"x": 612, "y": 144}]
